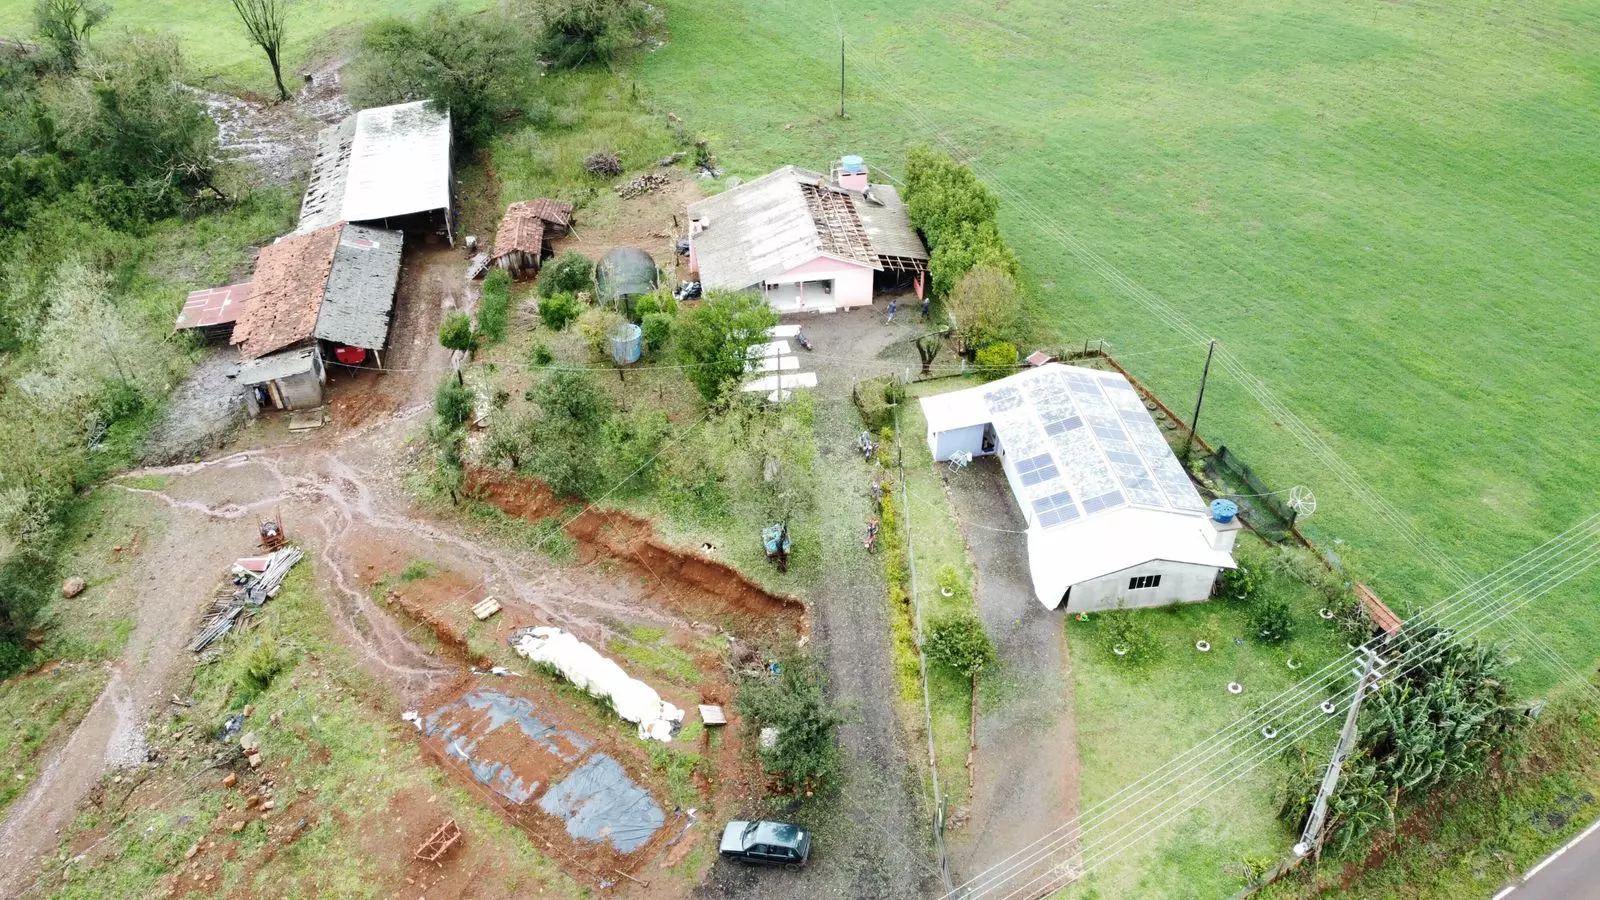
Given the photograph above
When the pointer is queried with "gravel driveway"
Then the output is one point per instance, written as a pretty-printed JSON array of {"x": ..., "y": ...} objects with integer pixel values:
[
  {"x": 876, "y": 841},
  {"x": 1027, "y": 760}
]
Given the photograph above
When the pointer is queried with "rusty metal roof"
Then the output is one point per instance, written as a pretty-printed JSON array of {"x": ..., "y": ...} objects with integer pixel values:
[
  {"x": 523, "y": 227},
  {"x": 213, "y": 306},
  {"x": 291, "y": 278}
]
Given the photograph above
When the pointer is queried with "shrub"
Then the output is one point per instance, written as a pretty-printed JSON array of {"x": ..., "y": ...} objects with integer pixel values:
[
  {"x": 455, "y": 332},
  {"x": 573, "y": 33},
  {"x": 795, "y": 702},
  {"x": 997, "y": 360},
  {"x": 715, "y": 338},
  {"x": 1130, "y": 633},
  {"x": 542, "y": 355},
  {"x": 573, "y": 410},
  {"x": 494, "y": 307},
  {"x": 452, "y": 402},
  {"x": 951, "y": 579},
  {"x": 1240, "y": 585},
  {"x": 657, "y": 329},
  {"x": 569, "y": 273},
  {"x": 558, "y": 311},
  {"x": 872, "y": 401},
  {"x": 630, "y": 445},
  {"x": 596, "y": 325},
  {"x": 894, "y": 393},
  {"x": 1271, "y": 620},
  {"x": 603, "y": 164},
  {"x": 661, "y": 301},
  {"x": 261, "y": 667},
  {"x": 959, "y": 643}
]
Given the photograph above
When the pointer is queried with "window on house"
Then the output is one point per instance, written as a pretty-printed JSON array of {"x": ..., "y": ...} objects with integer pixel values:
[{"x": 1139, "y": 582}]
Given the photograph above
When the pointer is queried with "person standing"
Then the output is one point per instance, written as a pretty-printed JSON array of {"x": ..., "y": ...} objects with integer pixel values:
[
  {"x": 891, "y": 310},
  {"x": 925, "y": 302}
]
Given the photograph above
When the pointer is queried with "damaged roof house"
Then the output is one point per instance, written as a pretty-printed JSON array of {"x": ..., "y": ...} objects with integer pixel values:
[
  {"x": 388, "y": 166},
  {"x": 334, "y": 286},
  {"x": 807, "y": 242}
]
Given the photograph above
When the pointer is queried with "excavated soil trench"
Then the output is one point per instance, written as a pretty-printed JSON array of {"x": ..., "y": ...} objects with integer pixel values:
[{"x": 686, "y": 575}]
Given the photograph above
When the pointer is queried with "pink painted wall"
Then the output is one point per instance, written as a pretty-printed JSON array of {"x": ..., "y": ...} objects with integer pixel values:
[{"x": 852, "y": 282}]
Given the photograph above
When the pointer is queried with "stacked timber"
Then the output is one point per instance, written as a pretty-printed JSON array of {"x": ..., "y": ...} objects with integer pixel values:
[{"x": 247, "y": 591}]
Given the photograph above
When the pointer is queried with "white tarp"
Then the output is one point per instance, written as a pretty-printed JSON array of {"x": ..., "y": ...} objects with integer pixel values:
[{"x": 582, "y": 665}]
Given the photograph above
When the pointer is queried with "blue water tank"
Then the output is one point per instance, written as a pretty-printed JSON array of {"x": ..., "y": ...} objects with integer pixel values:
[
  {"x": 1223, "y": 511},
  {"x": 852, "y": 164},
  {"x": 625, "y": 343}
]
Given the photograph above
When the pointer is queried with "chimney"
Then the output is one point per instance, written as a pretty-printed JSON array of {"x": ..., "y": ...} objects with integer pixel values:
[
  {"x": 851, "y": 173},
  {"x": 1224, "y": 525}
]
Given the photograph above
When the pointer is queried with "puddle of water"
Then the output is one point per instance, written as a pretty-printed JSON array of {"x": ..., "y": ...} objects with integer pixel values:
[{"x": 601, "y": 803}]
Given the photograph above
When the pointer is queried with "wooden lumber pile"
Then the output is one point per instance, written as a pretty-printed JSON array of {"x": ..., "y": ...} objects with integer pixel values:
[
  {"x": 437, "y": 845},
  {"x": 235, "y": 601}
]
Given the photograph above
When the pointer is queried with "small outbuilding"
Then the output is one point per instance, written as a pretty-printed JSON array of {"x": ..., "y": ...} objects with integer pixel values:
[
  {"x": 388, "y": 166},
  {"x": 806, "y": 241},
  {"x": 522, "y": 242},
  {"x": 292, "y": 379},
  {"x": 624, "y": 274},
  {"x": 1113, "y": 519},
  {"x": 211, "y": 312}
]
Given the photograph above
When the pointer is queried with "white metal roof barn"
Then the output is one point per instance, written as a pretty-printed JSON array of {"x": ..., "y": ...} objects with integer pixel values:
[
  {"x": 1113, "y": 519},
  {"x": 381, "y": 165}
]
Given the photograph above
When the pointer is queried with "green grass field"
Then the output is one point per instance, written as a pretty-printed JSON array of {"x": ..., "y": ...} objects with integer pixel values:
[{"x": 1382, "y": 212}]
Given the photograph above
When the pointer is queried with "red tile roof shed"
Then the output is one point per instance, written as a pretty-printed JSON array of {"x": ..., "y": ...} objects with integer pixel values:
[
  {"x": 213, "y": 306},
  {"x": 291, "y": 278}
]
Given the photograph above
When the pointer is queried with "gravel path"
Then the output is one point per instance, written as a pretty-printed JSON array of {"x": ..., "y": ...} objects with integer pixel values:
[
  {"x": 877, "y": 843},
  {"x": 1027, "y": 760}
]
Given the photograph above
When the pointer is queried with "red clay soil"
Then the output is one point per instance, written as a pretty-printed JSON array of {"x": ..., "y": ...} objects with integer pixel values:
[{"x": 631, "y": 541}]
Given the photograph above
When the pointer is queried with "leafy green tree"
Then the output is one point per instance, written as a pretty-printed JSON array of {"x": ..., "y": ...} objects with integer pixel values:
[
  {"x": 64, "y": 26},
  {"x": 574, "y": 33},
  {"x": 264, "y": 20},
  {"x": 959, "y": 643},
  {"x": 630, "y": 446},
  {"x": 142, "y": 142},
  {"x": 806, "y": 753},
  {"x": 997, "y": 360},
  {"x": 569, "y": 273},
  {"x": 565, "y": 439},
  {"x": 985, "y": 307},
  {"x": 942, "y": 196},
  {"x": 476, "y": 65},
  {"x": 452, "y": 402},
  {"x": 714, "y": 339},
  {"x": 557, "y": 311},
  {"x": 455, "y": 332},
  {"x": 969, "y": 245}
]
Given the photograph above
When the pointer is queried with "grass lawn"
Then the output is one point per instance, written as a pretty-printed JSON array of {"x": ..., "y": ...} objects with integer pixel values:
[
  {"x": 1382, "y": 211},
  {"x": 37, "y": 710},
  {"x": 1133, "y": 720},
  {"x": 216, "y": 44}
]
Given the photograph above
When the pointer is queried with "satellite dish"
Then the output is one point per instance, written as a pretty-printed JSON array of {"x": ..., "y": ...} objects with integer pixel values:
[{"x": 1303, "y": 502}]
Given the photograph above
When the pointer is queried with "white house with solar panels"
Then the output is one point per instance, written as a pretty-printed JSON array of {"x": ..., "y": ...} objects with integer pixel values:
[{"x": 1113, "y": 519}]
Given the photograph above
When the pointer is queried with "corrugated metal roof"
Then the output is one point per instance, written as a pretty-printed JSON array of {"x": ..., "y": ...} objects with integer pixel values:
[
  {"x": 359, "y": 299},
  {"x": 399, "y": 162},
  {"x": 790, "y": 217},
  {"x": 291, "y": 278},
  {"x": 523, "y": 227},
  {"x": 323, "y": 204},
  {"x": 213, "y": 306},
  {"x": 278, "y": 365}
]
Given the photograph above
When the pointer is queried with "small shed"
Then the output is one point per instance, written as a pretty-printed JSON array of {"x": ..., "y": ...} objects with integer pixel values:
[
  {"x": 522, "y": 242},
  {"x": 211, "y": 312},
  {"x": 622, "y": 275},
  {"x": 292, "y": 379}
]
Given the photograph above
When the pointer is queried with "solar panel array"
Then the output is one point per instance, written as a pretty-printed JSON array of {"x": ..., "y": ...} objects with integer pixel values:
[{"x": 1084, "y": 443}]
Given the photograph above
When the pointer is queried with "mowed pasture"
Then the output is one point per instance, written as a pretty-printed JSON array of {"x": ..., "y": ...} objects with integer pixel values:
[{"x": 1383, "y": 211}]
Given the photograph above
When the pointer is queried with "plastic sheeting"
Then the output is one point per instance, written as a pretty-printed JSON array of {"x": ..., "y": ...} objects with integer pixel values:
[
  {"x": 599, "y": 802},
  {"x": 582, "y": 665}
]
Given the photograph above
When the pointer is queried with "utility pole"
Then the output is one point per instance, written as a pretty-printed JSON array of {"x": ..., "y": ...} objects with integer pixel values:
[
  {"x": 1367, "y": 674},
  {"x": 1194, "y": 422},
  {"x": 841, "y": 76}
]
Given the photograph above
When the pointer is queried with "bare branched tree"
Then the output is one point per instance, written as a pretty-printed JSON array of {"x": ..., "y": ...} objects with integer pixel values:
[{"x": 263, "y": 19}]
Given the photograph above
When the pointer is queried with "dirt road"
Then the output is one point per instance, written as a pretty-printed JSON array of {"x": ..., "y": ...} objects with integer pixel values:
[{"x": 1027, "y": 760}]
